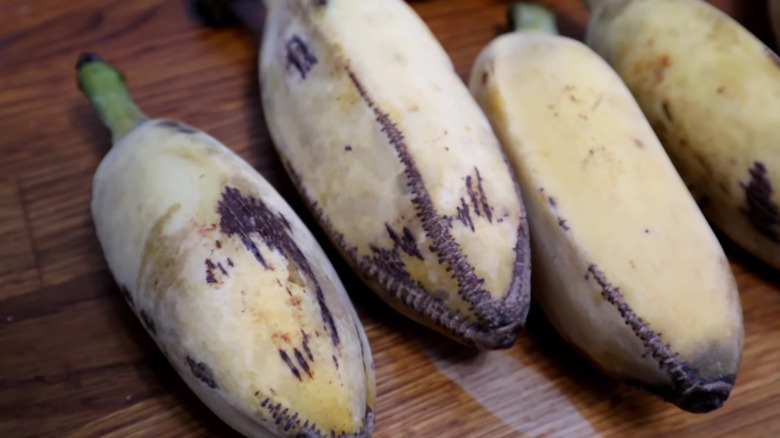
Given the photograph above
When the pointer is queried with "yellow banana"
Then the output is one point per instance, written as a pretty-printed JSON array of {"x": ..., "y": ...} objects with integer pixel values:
[
  {"x": 398, "y": 163},
  {"x": 626, "y": 267},
  {"x": 225, "y": 277},
  {"x": 708, "y": 87}
]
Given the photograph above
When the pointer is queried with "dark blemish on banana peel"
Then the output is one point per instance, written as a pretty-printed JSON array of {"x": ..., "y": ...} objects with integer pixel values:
[
  {"x": 210, "y": 279},
  {"x": 148, "y": 322},
  {"x": 290, "y": 364},
  {"x": 202, "y": 372},
  {"x": 762, "y": 213},
  {"x": 249, "y": 218},
  {"x": 406, "y": 242},
  {"x": 667, "y": 111},
  {"x": 478, "y": 197},
  {"x": 463, "y": 215},
  {"x": 298, "y": 55},
  {"x": 305, "y": 343},
  {"x": 302, "y": 361}
]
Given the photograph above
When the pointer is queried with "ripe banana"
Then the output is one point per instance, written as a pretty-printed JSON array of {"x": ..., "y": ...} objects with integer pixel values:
[
  {"x": 398, "y": 164},
  {"x": 225, "y": 277},
  {"x": 626, "y": 267},
  {"x": 708, "y": 87}
]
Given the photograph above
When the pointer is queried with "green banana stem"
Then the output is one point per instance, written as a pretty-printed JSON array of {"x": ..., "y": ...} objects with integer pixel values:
[
  {"x": 526, "y": 17},
  {"x": 105, "y": 87}
]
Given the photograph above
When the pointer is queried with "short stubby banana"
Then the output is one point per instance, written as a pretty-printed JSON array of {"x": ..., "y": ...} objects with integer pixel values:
[
  {"x": 708, "y": 87},
  {"x": 626, "y": 267},
  {"x": 226, "y": 278},
  {"x": 398, "y": 163}
]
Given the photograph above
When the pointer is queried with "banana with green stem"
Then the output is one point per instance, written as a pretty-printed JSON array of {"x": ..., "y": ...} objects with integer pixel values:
[{"x": 225, "y": 277}]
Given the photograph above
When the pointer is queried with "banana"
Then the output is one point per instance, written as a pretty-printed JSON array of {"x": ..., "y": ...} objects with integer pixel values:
[
  {"x": 626, "y": 267},
  {"x": 708, "y": 87},
  {"x": 226, "y": 278},
  {"x": 398, "y": 164}
]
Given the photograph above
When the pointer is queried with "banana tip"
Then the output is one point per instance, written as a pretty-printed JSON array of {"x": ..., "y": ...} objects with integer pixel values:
[
  {"x": 707, "y": 397},
  {"x": 497, "y": 339},
  {"x": 87, "y": 58}
]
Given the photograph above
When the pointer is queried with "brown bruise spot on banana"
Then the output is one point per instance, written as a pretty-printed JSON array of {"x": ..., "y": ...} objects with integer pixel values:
[
  {"x": 212, "y": 270},
  {"x": 667, "y": 111},
  {"x": 463, "y": 215},
  {"x": 660, "y": 69},
  {"x": 348, "y": 148},
  {"x": 406, "y": 242},
  {"x": 288, "y": 421},
  {"x": 762, "y": 213},
  {"x": 302, "y": 362},
  {"x": 300, "y": 357},
  {"x": 246, "y": 216},
  {"x": 688, "y": 390},
  {"x": 202, "y": 372},
  {"x": 562, "y": 223},
  {"x": 305, "y": 345},
  {"x": 478, "y": 197},
  {"x": 126, "y": 294},
  {"x": 177, "y": 126},
  {"x": 298, "y": 55},
  {"x": 286, "y": 359},
  {"x": 148, "y": 322}
]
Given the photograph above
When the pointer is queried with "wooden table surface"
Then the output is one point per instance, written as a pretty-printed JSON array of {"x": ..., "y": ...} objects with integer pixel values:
[{"x": 75, "y": 362}]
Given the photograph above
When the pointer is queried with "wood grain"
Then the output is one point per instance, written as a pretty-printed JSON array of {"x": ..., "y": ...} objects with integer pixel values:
[{"x": 75, "y": 362}]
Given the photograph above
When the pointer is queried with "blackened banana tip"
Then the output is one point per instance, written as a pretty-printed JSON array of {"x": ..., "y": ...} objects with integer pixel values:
[
  {"x": 87, "y": 58},
  {"x": 707, "y": 397}
]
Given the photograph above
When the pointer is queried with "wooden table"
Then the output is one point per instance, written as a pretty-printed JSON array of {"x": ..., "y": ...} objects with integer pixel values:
[{"x": 74, "y": 361}]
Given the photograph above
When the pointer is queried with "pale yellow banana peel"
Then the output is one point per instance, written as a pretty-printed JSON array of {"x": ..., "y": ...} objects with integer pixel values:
[
  {"x": 708, "y": 87},
  {"x": 626, "y": 267},
  {"x": 225, "y": 277}
]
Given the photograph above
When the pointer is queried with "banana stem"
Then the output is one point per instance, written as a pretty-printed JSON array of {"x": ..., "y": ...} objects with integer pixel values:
[
  {"x": 526, "y": 17},
  {"x": 105, "y": 87}
]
